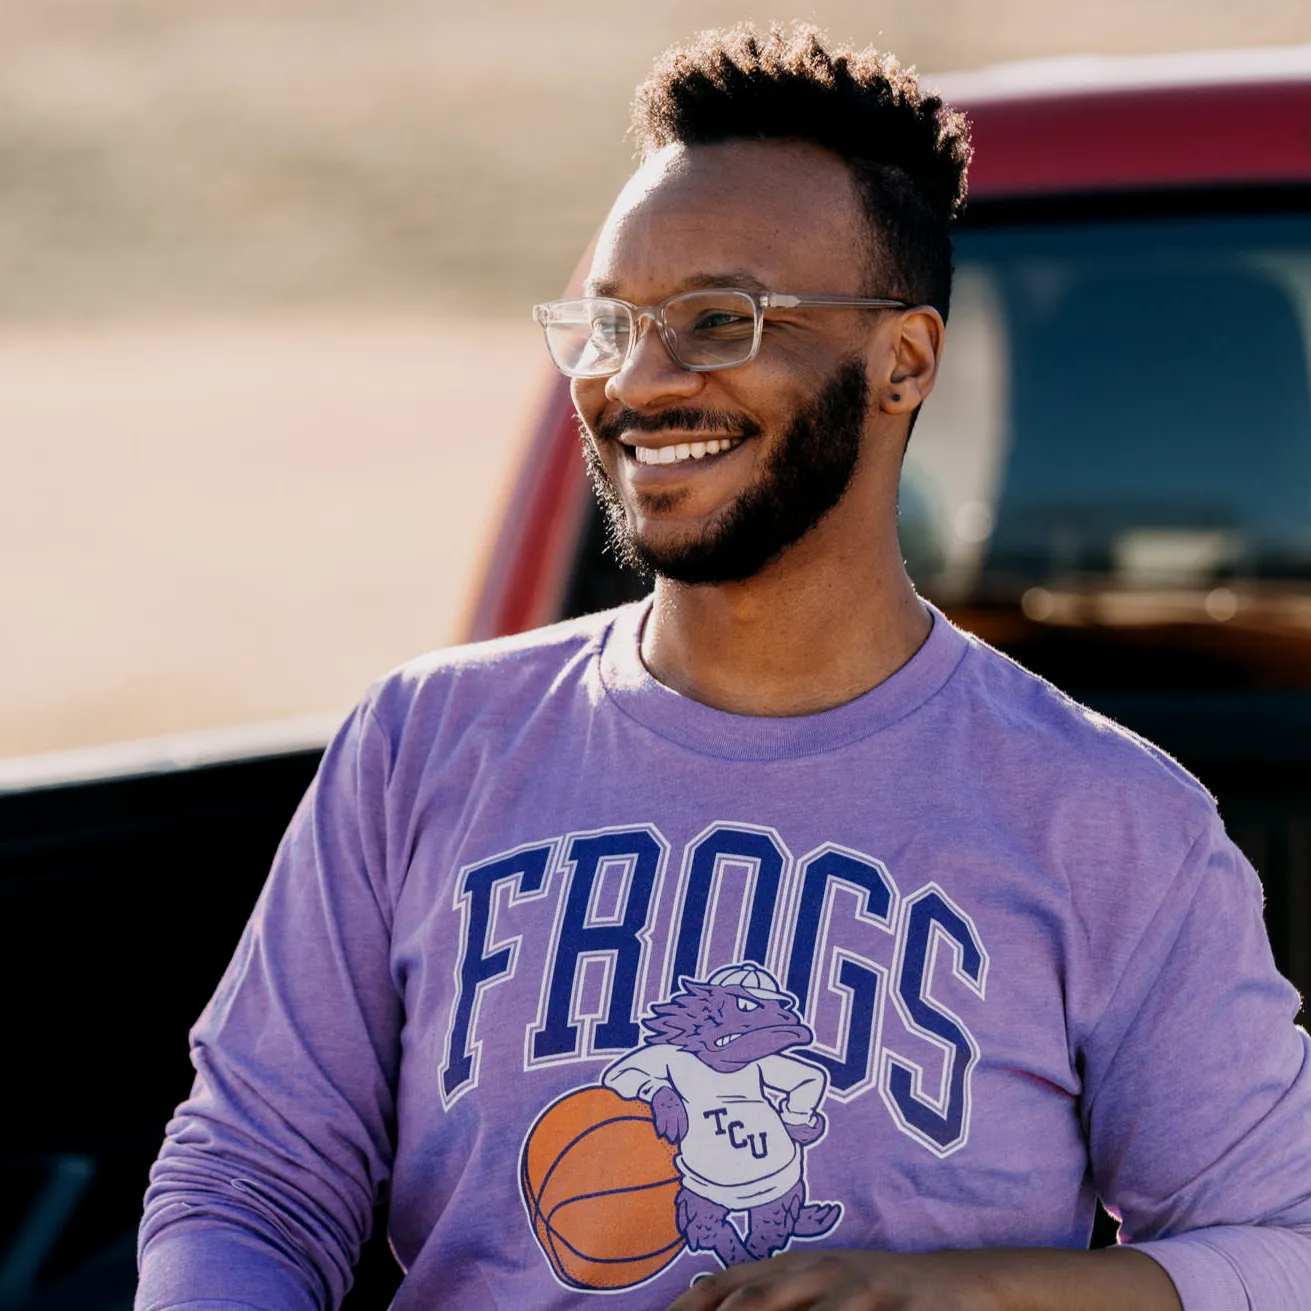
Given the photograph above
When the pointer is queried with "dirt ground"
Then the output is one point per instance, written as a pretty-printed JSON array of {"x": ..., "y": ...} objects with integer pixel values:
[{"x": 212, "y": 525}]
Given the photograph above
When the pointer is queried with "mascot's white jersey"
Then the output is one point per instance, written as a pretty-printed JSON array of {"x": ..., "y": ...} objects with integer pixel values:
[{"x": 737, "y": 1151}]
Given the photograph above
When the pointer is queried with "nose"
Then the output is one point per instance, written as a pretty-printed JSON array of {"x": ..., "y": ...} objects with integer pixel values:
[{"x": 650, "y": 374}]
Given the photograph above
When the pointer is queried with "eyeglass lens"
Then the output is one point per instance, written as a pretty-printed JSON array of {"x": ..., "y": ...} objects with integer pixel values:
[{"x": 589, "y": 337}]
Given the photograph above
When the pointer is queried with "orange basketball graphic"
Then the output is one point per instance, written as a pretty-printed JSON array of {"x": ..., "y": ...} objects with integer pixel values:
[{"x": 599, "y": 1186}]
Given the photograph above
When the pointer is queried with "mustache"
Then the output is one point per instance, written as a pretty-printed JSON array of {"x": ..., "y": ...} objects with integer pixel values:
[{"x": 626, "y": 420}]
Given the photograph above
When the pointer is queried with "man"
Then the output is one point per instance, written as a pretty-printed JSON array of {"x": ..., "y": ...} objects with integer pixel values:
[{"x": 550, "y": 898}]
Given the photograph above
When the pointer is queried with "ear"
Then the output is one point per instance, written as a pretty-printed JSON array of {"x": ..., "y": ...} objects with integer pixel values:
[{"x": 909, "y": 362}]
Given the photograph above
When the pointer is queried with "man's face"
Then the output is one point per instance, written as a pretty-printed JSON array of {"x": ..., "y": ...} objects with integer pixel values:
[{"x": 789, "y": 424}]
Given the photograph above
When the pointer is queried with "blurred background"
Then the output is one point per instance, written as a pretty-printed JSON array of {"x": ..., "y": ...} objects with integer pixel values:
[{"x": 265, "y": 352}]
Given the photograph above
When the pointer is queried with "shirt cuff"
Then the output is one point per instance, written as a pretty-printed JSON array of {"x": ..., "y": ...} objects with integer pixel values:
[{"x": 1203, "y": 1276}]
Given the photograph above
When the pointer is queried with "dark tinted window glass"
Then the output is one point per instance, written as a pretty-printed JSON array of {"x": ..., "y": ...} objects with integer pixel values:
[{"x": 1120, "y": 450}]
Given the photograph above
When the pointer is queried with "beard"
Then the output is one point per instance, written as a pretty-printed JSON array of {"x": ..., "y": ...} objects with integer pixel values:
[{"x": 803, "y": 479}]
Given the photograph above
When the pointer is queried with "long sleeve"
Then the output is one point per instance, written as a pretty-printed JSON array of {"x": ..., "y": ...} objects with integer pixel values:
[
  {"x": 264, "y": 1189},
  {"x": 641, "y": 1074},
  {"x": 1197, "y": 1097}
]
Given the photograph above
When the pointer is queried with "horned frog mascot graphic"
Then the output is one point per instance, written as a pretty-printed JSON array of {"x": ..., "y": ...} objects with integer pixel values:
[{"x": 740, "y": 1111}]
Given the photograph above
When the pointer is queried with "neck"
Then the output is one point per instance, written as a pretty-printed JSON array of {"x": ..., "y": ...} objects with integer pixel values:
[{"x": 794, "y": 640}]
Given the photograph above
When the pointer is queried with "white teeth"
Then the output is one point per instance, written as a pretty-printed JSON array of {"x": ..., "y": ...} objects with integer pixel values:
[
  {"x": 726, "y": 1039},
  {"x": 683, "y": 451}
]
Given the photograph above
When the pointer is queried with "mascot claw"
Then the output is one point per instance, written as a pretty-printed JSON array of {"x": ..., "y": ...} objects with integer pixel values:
[{"x": 670, "y": 1115}]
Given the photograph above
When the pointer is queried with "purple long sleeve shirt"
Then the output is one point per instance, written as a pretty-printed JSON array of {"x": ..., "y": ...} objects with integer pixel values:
[{"x": 537, "y": 905}]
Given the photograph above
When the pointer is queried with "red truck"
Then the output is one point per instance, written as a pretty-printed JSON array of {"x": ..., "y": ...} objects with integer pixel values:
[{"x": 1112, "y": 483}]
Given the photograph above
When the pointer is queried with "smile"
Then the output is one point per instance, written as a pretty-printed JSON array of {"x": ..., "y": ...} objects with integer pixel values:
[
  {"x": 676, "y": 454},
  {"x": 726, "y": 1039}
]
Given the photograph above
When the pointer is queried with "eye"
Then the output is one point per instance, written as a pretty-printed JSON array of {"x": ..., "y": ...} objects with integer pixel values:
[
  {"x": 744, "y": 1005},
  {"x": 723, "y": 323}
]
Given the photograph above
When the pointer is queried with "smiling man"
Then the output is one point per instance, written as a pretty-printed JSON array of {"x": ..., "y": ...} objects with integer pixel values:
[{"x": 770, "y": 942}]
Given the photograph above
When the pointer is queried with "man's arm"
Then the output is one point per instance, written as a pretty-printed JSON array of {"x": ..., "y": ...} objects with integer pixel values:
[
  {"x": 265, "y": 1186},
  {"x": 1197, "y": 1095}
]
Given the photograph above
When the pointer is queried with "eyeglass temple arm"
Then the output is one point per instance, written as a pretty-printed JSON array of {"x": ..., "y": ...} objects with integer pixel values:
[
  {"x": 771, "y": 300},
  {"x": 779, "y": 300}
]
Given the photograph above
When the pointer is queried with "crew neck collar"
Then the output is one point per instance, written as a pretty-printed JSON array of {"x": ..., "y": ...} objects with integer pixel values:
[{"x": 711, "y": 732}]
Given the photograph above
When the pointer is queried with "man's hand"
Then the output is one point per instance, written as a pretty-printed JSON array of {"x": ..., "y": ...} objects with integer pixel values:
[
  {"x": 839, "y": 1279},
  {"x": 670, "y": 1115},
  {"x": 1011, "y": 1279}
]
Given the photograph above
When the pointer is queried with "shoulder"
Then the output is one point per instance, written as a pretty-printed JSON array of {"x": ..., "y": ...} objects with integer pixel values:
[
  {"x": 1104, "y": 811},
  {"x": 543, "y": 651},
  {"x": 1031, "y": 728},
  {"x": 450, "y": 708},
  {"x": 510, "y": 673},
  {"x": 1124, "y": 839}
]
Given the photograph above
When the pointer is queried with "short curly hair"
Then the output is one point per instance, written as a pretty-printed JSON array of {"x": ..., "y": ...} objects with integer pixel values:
[{"x": 907, "y": 151}]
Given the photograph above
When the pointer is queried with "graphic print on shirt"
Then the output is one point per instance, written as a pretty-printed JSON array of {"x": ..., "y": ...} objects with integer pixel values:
[
  {"x": 879, "y": 975},
  {"x": 708, "y": 1120}
]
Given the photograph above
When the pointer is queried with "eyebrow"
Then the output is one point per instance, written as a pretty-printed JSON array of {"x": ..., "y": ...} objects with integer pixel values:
[{"x": 693, "y": 282}]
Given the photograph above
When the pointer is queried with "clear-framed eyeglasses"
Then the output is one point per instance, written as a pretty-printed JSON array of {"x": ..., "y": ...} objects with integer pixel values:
[{"x": 716, "y": 328}]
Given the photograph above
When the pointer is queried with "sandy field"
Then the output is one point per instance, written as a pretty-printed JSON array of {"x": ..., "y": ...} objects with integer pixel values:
[{"x": 205, "y": 526}]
